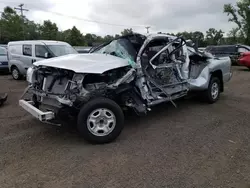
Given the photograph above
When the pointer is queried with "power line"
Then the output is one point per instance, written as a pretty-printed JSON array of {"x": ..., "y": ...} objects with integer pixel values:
[
  {"x": 87, "y": 20},
  {"x": 1, "y": 26},
  {"x": 78, "y": 18}
]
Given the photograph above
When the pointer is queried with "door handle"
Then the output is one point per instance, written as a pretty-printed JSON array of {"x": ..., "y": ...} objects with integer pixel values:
[{"x": 33, "y": 60}]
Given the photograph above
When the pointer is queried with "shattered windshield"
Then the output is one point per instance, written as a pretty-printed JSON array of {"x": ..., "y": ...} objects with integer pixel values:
[
  {"x": 60, "y": 50},
  {"x": 121, "y": 48}
]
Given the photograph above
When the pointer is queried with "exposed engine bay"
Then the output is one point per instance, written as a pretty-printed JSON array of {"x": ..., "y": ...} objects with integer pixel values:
[{"x": 53, "y": 88}]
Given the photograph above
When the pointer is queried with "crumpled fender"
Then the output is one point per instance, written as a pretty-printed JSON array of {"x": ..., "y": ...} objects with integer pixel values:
[{"x": 200, "y": 83}]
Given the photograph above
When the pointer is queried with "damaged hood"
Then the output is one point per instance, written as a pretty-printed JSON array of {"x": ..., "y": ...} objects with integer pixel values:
[{"x": 85, "y": 63}]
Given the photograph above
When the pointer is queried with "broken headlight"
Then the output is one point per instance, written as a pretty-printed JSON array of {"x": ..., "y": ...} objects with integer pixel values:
[{"x": 30, "y": 76}]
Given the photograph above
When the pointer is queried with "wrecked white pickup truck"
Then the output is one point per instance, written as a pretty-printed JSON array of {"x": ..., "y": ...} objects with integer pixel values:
[{"x": 131, "y": 72}]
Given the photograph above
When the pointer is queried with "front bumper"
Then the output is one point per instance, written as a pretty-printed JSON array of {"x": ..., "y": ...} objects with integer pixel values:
[{"x": 38, "y": 114}]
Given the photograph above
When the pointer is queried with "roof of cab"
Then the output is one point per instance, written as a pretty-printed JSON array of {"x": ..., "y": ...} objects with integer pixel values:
[{"x": 47, "y": 42}]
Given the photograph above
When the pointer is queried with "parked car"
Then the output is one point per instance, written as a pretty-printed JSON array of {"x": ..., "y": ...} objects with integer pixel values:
[
  {"x": 131, "y": 72},
  {"x": 3, "y": 59},
  {"x": 22, "y": 54},
  {"x": 244, "y": 59},
  {"x": 233, "y": 51},
  {"x": 82, "y": 49},
  {"x": 3, "y": 45}
]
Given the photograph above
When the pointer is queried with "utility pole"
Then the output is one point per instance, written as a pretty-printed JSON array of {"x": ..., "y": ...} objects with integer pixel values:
[
  {"x": 147, "y": 28},
  {"x": 21, "y": 9},
  {"x": 1, "y": 26}
]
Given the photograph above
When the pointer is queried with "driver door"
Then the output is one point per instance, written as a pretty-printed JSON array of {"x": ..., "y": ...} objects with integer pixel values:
[{"x": 162, "y": 61}]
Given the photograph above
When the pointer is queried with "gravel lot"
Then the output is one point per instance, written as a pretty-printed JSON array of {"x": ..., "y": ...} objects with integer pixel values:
[{"x": 195, "y": 145}]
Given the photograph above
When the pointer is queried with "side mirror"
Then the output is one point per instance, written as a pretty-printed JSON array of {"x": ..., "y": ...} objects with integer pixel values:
[{"x": 46, "y": 55}]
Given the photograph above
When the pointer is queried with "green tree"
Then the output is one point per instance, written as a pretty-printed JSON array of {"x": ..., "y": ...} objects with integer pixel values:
[
  {"x": 32, "y": 31},
  {"x": 75, "y": 37},
  {"x": 186, "y": 35},
  {"x": 61, "y": 35},
  {"x": 11, "y": 25},
  {"x": 197, "y": 37},
  {"x": 234, "y": 37},
  {"x": 214, "y": 37},
  {"x": 108, "y": 38},
  {"x": 240, "y": 15},
  {"x": 90, "y": 39},
  {"x": 49, "y": 30},
  {"x": 127, "y": 32}
]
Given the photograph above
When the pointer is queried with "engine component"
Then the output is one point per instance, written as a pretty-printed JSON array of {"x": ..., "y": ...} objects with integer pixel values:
[{"x": 127, "y": 78}]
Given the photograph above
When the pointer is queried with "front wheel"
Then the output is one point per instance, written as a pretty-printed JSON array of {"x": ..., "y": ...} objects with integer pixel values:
[
  {"x": 16, "y": 73},
  {"x": 100, "y": 121},
  {"x": 212, "y": 94}
]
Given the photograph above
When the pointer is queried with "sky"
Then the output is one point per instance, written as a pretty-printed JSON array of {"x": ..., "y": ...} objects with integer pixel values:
[{"x": 105, "y": 17}]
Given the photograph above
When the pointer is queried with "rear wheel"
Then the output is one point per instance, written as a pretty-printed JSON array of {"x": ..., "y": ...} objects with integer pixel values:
[
  {"x": 16, "y": 73},
  {"x": 100, "y": 121},
  {"x": 212, "y": 94}
]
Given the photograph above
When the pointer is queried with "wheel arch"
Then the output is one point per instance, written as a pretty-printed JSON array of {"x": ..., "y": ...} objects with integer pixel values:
[
  {"x": 13, "y": 66},
  {"x": 218, "y": 74}
]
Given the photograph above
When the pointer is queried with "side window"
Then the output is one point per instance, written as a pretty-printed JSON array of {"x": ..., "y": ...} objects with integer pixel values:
[
  {"x": 154, "y": 47},
  {"x": 27, "y": 50},
  {"x": 241, "y": 50},
  {"x": 41, "y": 51}
]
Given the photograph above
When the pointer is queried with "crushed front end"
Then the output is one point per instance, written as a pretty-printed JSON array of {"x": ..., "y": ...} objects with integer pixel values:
[
  {"x": 49, "y": 91},
  {"x": 58, "y": 94}
]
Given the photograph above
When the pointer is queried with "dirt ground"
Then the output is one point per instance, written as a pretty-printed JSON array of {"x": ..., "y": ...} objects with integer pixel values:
[{"x": 195, "y": 145}]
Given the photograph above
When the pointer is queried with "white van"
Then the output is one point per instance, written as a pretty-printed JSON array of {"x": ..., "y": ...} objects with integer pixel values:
[{"x": 22, "y": 54}]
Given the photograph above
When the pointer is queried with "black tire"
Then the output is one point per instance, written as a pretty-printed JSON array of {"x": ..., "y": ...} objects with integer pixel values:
[
  {"x": 88, "y": 108},
  {"x": 208, "y": 93},
  {"x": 16, "y": 75}
]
